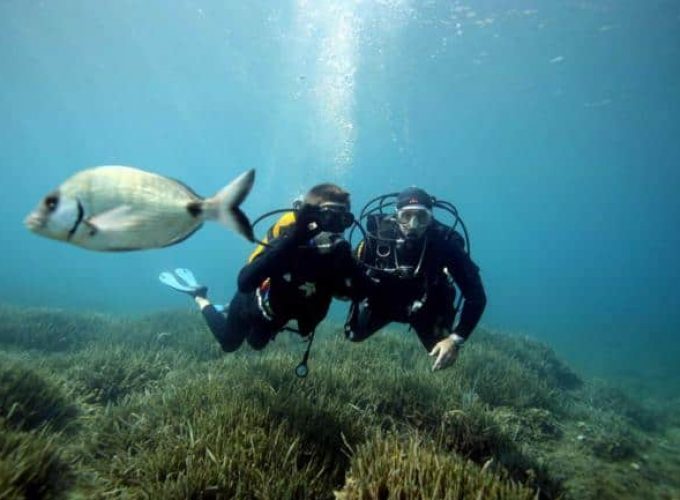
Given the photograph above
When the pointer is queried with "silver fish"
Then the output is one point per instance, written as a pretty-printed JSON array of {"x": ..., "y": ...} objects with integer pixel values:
[{"x": 115, "y": 208}]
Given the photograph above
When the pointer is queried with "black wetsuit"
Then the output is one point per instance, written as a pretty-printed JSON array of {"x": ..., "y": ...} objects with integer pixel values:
[
  {"x": 424, "y": 300},
  {"x": 301, "y": 284}
]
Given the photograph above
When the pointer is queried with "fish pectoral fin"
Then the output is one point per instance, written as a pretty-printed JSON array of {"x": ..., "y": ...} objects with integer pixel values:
[
  {"x": 91, "y": 228},
  {"x": 114, "y": 220}
]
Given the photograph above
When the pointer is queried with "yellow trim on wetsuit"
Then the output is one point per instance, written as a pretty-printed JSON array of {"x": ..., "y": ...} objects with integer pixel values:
[
  {"x": 284, "y": 222},
  {"x": 359, "y": 252}
]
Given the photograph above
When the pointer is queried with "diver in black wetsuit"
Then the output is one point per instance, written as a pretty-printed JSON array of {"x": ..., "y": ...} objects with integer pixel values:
[
  {"x": 417, "y": 263},
  {"x": 303, "y": 264}
]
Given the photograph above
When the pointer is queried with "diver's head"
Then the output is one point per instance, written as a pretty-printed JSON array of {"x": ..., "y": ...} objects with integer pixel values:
[
  {"x": 326, "y": 208},
  {"x": 329, "y": 206},
  {"x": 414, "y": 212}
]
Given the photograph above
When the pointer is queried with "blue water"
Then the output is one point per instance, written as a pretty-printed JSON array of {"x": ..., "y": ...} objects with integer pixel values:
[{"x": 552, "y": 125}]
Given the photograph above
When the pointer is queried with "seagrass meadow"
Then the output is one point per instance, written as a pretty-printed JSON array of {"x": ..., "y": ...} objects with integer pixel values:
[{"x": 98, "y": 406}]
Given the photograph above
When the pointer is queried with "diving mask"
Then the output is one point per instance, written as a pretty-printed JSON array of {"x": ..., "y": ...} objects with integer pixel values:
[
  {"x": 333, "y": 217},
  {"x": 413, "y": 220}
]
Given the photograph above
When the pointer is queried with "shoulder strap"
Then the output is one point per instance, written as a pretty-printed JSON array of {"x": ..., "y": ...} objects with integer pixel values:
[{"x": 278, "y": 229}]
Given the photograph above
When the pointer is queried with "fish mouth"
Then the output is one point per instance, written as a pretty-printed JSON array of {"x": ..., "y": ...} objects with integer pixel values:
[{"x": 34, "y": 222}]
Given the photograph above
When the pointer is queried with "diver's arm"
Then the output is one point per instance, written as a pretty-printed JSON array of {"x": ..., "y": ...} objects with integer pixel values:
[
  {"x": 466, "y": 275},
  {"x": 274, "y": 259},
  {"x": 277, "y": 258},
  {"x": 357, "y": 283}
]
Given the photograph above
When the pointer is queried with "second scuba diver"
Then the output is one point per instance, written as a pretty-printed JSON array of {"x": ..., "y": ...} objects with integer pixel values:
[
  {"x": 416, "y": 261},
  {"x": 303, "y": 263}
]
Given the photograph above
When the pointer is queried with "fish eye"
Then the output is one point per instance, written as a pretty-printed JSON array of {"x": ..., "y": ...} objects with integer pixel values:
[{"x": 51, "y": 201}]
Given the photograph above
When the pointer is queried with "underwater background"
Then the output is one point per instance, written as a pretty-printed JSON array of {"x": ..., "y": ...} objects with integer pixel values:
[{"x": 552, "y": 126}]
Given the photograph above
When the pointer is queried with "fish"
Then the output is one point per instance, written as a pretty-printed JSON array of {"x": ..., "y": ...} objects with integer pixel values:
[{"x": 115, "y": 208}]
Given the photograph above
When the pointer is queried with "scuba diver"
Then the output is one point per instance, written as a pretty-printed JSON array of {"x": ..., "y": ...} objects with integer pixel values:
[
  {"x": 417, "y": 262},
  {"x": 293, "y": 274}
]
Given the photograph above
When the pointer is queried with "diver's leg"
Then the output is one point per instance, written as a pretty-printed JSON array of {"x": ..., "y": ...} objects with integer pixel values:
[
  {"x": 229, "y": 330},
  {"x": 229, "y": 333},
  {"x": 259, "y": 336},
  {"x": 260, "y": 329},
  {"x": 243, "y": 321},
  {"x": 364, "y": 320}
]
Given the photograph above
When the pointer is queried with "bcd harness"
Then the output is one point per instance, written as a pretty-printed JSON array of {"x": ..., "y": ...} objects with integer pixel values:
[{"x": 382, "y": 235}]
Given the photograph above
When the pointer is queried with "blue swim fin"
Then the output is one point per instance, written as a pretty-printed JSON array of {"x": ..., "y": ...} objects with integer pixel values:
[
  {"x": 187, "y": 276},
  {"x": 169, "y": 279}
]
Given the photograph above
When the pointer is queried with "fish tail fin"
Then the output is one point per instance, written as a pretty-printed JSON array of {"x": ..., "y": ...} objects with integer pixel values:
[{"x": 224, "y": 206}]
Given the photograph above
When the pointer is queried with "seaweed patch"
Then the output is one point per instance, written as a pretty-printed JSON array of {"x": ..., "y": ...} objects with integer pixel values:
[{"x": 94, "y": 405}]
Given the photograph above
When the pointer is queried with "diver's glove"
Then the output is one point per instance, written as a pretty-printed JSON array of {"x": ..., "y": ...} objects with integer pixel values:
[
  {"x": 306, "y": 224},
  {"x": 447, "y": 351}
]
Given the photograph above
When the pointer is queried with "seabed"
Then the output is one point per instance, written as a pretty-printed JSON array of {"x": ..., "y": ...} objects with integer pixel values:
[{"x": 95, "y": 406}]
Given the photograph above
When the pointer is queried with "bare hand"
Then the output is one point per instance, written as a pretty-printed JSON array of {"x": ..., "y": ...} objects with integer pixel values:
[{"x": 446, "y": 351}]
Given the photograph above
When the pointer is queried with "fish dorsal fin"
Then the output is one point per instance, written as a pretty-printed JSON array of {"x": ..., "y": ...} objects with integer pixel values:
[{"x": 114, "y": 220}]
